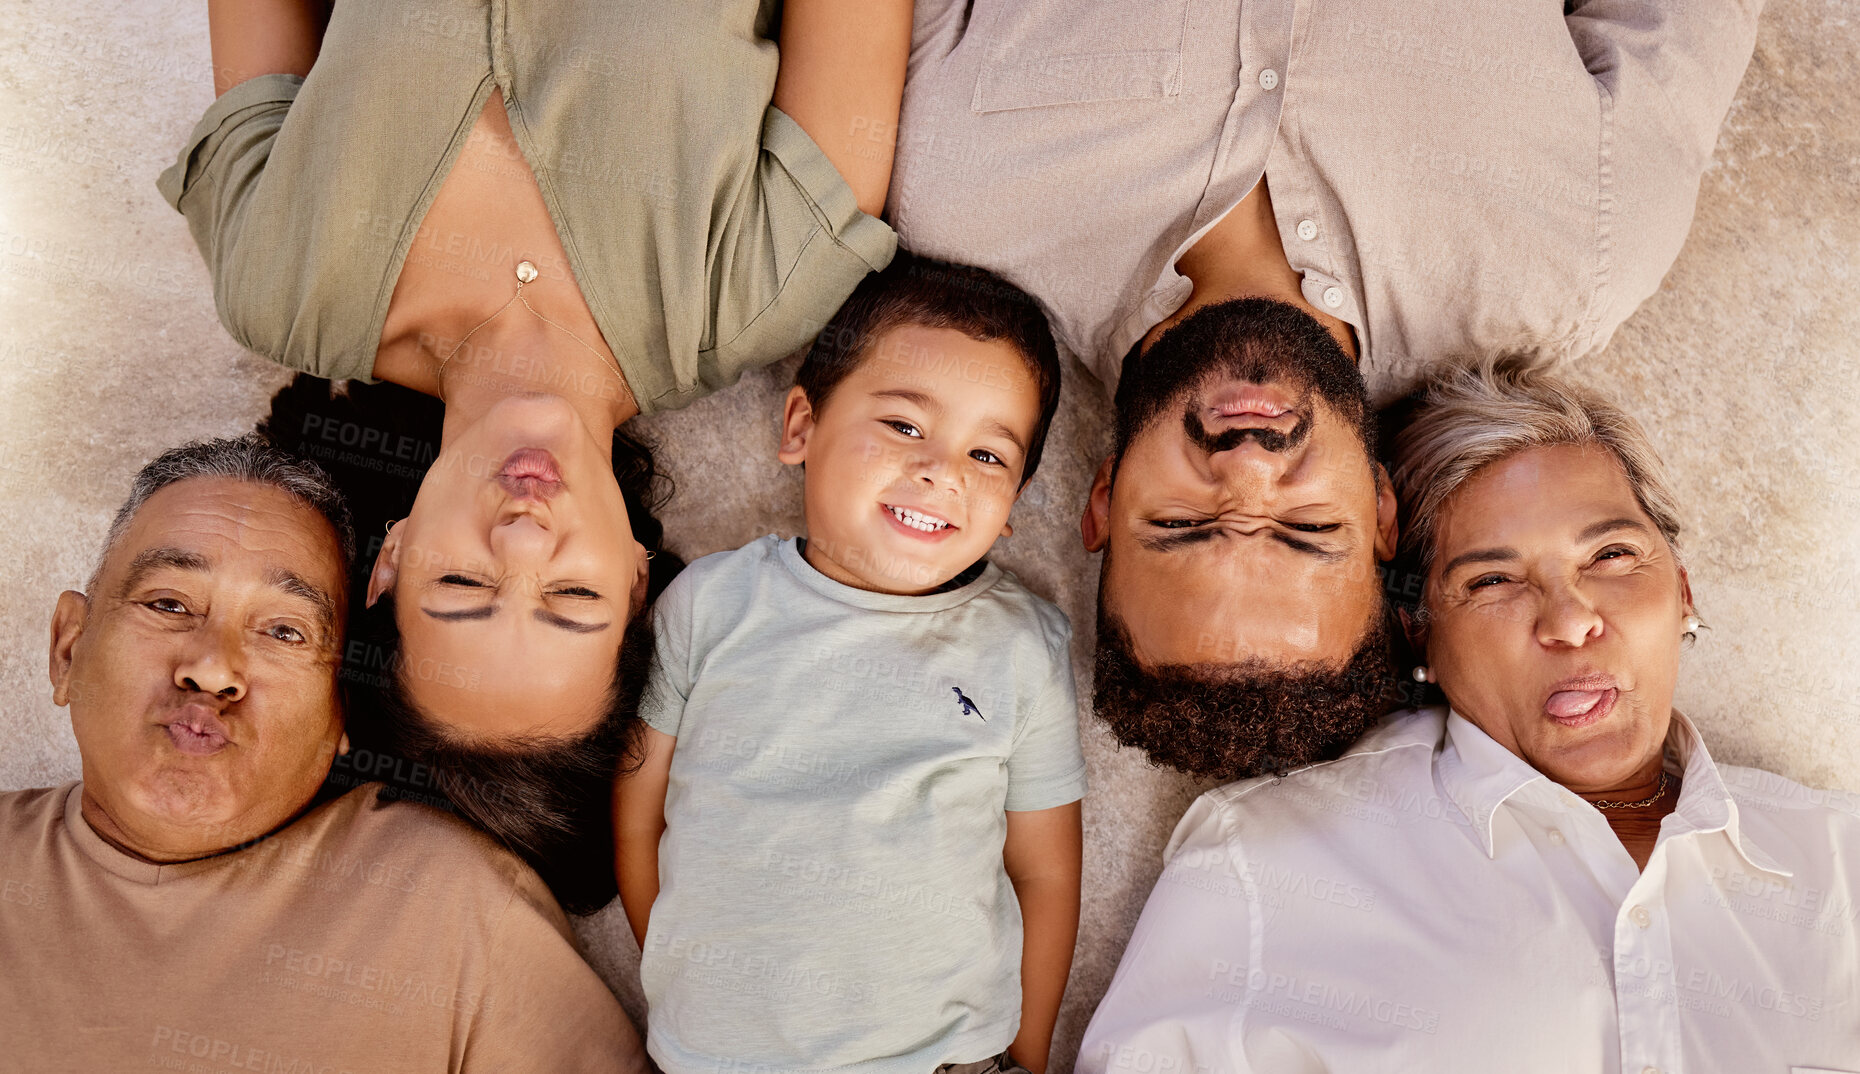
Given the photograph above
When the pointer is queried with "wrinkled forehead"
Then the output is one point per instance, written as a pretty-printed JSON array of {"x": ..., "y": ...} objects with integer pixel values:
[
  {"x": 1552, "y": 497},
  {"x": 229, "y": 529},
  {"x": 1229, "y": 605}
]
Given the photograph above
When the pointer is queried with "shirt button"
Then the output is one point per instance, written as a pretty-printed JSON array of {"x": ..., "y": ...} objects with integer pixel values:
[
  {"x": 1269, "y": 79},
  {"x": 1307, "y": 230},
  {"x": 1641, "y": 919},
  {"x": 1333, "y": 297},
  {"x": 1556, "y": 837}
]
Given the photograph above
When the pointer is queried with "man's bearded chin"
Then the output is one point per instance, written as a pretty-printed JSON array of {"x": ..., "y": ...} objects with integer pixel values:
[
  {"x": 1253, "y": 340},
  {"x": 1237, "y": 721}
]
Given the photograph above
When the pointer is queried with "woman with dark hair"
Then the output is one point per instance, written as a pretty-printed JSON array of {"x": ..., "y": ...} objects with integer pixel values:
[
  {"x": 550, "y": 219},
  {"x": 546, "y": 799}
]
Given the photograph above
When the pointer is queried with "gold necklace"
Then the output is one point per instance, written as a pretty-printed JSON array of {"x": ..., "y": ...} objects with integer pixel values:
[
  {"x": 526, "y": 273},
  {"x": 1665, "y": 781}
]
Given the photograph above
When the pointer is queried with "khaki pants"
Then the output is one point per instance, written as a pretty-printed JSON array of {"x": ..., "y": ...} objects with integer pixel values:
[{"x": 1000, "y": 1064}]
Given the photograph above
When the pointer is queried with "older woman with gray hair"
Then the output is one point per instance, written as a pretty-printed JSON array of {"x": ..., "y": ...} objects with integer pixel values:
[{"x": 1549, "y": 872}]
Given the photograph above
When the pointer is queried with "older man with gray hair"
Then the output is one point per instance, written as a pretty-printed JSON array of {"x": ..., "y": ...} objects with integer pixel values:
[{"x": 198, "y": 900}]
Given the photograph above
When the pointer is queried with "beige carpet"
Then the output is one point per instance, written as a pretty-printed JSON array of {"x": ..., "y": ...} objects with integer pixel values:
[{"x": 1744, "y": 366}]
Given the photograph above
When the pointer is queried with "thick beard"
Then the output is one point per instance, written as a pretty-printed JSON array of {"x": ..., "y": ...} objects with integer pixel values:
[{"x": 1244, "y": 720}]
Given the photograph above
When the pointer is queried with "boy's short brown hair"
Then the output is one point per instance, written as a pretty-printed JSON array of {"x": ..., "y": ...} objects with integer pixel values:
[{"x": 937, "y": 294}]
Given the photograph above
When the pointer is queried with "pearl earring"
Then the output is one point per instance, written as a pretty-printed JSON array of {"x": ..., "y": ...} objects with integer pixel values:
[
  {"x": 1420, "y": 673},
  {"x": 1693, "y": 623}
]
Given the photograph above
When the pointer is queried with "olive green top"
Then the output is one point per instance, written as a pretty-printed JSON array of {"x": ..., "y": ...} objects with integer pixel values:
[{"x": 707, "y": 231}]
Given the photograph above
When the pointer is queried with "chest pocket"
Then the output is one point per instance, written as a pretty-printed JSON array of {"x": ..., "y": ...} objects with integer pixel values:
[{"x": 1121, "y": 51}]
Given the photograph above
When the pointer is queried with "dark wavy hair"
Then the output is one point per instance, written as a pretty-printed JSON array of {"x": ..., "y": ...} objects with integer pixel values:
[
  {"x": 545, "y": 798},
  {"x": 916, "y": 290}
]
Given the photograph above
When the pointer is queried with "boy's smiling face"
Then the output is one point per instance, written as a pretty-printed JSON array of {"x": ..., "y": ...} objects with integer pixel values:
[{"x": 915, "y": 458}]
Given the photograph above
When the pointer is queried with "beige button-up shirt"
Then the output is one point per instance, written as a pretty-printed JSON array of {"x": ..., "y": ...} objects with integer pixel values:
[{"x": 1449, "y": 177}]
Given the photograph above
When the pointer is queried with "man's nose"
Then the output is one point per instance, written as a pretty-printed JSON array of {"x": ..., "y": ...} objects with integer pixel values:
[
  {"x": 1249, "y": 465},
  {"x": 214, "y": 662}
]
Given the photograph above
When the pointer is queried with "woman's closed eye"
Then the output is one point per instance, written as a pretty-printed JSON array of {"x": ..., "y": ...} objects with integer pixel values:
[
  {"x": 463, "y": 580},
  {"x": 581, "y": 591}
]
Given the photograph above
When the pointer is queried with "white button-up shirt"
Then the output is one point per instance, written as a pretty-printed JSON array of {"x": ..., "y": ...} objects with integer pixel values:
[
  {"x": 1480, "y": 176},
  {"x": 1430, "y": 902}
]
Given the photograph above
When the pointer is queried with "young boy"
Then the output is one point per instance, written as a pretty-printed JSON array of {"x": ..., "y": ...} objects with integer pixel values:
[{"x": 861, "y": 777}]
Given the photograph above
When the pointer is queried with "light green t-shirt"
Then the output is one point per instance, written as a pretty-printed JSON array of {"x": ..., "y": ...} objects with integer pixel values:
[{"x": 832, "y": 894}]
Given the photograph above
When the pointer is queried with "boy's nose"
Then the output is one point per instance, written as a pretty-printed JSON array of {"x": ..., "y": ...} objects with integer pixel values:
[{"x": 935, "y": 472}]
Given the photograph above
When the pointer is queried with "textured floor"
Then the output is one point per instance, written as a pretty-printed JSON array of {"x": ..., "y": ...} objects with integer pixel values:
[{"x": 1743, "y": 367}]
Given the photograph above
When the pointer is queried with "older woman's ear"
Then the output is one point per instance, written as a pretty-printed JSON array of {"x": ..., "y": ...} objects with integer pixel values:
[
  {"x": 1686, "y": 607},
  {"x": 1388, "y": 529}
]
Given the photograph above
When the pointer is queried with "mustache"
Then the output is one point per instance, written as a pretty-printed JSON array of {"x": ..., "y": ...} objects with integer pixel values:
[{"x": 1227, "y": 439}]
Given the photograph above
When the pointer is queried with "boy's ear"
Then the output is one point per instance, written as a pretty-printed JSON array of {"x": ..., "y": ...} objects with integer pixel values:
[{"x": 797, "y": 424}]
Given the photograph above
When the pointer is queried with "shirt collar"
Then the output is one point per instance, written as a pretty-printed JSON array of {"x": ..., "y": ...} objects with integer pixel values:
[
  {"x": 1705, "y": 803},
  {"x": 1479, "y": 775}
]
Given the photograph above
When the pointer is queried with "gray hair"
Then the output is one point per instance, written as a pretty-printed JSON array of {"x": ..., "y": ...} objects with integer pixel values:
[
  {"x": 1474, "y": 415},
  {"x": 246, "y": 458}
]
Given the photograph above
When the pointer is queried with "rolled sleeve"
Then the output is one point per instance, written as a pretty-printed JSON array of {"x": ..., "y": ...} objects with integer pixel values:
[
  {"x": 1667, "y": 71},
  {"x": 229, "y": 147},
  {"x": 794, "y": 245},
  {"x": 214, "y": 180}
]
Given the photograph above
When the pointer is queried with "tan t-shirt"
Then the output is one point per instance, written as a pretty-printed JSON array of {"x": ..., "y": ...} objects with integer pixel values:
[{"x": 366, "y": 936}]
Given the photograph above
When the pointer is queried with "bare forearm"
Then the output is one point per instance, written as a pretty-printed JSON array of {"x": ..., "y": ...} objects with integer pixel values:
[
  {"x": 638, "y": 865},
  {"x": 842, "y": 80},
  {"x": 1049, "y": 910},
  {"x": 639, "y": 824},
  {"x": 264, "y": 37}
]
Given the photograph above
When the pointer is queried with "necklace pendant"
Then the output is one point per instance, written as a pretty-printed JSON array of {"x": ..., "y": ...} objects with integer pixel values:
[{"x": 526, "y": 272}]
